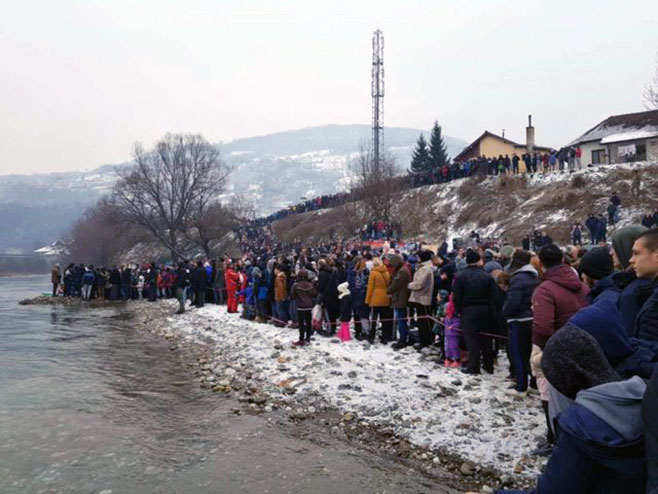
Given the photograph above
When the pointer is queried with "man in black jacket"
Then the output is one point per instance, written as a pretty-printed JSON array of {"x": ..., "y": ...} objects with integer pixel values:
[
  {"x": 199, "y": 283},
  {"x": 473, "y": 295}
]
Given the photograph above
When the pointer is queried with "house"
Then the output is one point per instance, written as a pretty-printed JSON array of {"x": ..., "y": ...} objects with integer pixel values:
[
  {"x": 491, "y": 145},
  {"x": 621, "y": 139}
]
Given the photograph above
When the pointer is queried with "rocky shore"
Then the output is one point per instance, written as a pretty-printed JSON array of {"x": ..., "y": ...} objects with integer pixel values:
[
  {"x": 70, "y": 302},
  {"x": 461, "y": 429}
]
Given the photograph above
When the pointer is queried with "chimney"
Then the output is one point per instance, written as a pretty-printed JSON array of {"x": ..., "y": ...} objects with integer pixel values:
[{"x": 529, "y": 136}]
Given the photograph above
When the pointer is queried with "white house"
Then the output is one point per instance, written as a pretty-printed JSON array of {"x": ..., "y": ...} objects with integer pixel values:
[{"x": 621, "y": 139}]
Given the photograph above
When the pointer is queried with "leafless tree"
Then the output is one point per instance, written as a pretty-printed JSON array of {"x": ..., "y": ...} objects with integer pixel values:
[
  {"x": 210, "y": 226},
  {"x": 650, "y": 95},
  {"x": 376, "y": 184},
  {"x": 170, "y": 185},
  {"x": 101, "y": 234}
]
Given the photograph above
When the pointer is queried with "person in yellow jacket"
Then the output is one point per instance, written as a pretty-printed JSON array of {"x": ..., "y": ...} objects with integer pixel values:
[{"x": 379, "y": 301}]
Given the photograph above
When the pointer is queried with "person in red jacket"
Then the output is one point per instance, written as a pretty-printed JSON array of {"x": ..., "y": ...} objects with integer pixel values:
[
  {"x": 232, "y": 284},
  {"x": 558, "y": 297}
]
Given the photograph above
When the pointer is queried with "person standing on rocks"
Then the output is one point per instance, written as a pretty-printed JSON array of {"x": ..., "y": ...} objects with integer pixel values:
[
  {"x": 474, "y": 293},
  {"x": 55, "y": 278},
  {"x": 420, "y": 298},
  {"x": 199, "y": 283},
  {"x": 517, "y": 309},
  {"x": 182, "y": 285},
  {"x": 379, "y": 301},
  {"x": 399, "y": 292},
  {"x": 281, "y": 296},
  {"x": 357, "y": 278},
  {"x": 303, "y": 292},
  {"x": 232, "y": 281}
]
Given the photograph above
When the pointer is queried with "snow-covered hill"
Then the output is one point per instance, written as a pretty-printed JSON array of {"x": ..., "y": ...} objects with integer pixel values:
[{"x": 274, "y": 170}]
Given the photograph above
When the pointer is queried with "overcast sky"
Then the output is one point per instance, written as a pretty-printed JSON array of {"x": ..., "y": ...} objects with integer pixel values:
[{"x": 80, "y": 82}]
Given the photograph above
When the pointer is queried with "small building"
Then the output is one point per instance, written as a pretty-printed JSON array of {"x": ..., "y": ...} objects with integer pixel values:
[
  {"x": 621, "y": 139},
  {"x": 491, "y": 145}
]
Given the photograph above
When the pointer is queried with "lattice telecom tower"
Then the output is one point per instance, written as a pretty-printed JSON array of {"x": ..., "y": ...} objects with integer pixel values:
[{"x": 377, "y": 92}]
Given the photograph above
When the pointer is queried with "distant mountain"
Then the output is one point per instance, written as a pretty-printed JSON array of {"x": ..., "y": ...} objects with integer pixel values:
[{"x": 273, "y": 170}]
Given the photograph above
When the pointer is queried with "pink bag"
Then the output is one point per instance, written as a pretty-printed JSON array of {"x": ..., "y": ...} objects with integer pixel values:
[{"x": 344, "y": 332}]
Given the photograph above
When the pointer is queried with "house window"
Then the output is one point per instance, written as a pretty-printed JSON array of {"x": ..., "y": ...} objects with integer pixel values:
[{"x": 598, "y": 156}]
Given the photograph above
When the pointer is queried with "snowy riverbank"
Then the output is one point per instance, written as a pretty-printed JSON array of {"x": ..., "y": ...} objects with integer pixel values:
[{"x": 439, "y": 410}]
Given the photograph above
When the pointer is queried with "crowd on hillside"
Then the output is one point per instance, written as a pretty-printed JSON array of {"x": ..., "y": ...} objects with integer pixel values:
[{"x": 562, "y": 160}]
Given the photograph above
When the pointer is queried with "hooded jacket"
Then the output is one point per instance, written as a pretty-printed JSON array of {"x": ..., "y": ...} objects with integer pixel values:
[
  {"x": 358, "y": 283},
  {"x": 605, "y": 289},
  {"x": 378, "y": 281},
  {"x": 398, "y": 289},
  {"x": 303, "y": 292},
  {"x": 560, "y": 295},
  {"x": 600, "y": 443},
  {"x": 634, "y": 293},
  {"x": 518, "y": 302},
  {"x": 628, "y": 356}
]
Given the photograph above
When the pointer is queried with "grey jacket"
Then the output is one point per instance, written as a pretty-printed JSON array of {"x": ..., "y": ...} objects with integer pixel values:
[{"x": 422, "y": 285}]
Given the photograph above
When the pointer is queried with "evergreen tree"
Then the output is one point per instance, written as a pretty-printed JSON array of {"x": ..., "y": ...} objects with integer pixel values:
[
  {"x": 438, "y": 152},
  {"x": 421, "y": 160}
]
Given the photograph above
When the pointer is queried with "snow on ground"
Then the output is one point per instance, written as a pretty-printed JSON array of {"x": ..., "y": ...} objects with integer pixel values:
[{"x": 425, "y": 403}]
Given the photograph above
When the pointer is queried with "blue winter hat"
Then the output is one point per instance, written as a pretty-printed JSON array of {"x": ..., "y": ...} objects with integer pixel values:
[{"x": 603, "y": 321}]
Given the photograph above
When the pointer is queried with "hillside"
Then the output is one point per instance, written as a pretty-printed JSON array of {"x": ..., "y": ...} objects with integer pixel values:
[
  {"x": 506, "y": 207},
  {"x": 273, "y": 171}
]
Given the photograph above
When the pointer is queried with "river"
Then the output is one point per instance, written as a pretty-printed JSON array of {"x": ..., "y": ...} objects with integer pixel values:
[{"x": 91, "y": 404}]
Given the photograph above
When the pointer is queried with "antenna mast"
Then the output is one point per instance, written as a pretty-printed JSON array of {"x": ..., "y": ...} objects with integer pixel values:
[{"x": 377, "y": 93}]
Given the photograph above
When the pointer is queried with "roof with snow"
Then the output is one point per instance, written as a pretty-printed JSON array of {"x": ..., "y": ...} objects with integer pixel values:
[{"x": 619, "y": 128}]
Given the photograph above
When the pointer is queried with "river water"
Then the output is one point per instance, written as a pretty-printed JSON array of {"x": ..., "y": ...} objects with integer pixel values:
[{"x": 91, "y": 404}]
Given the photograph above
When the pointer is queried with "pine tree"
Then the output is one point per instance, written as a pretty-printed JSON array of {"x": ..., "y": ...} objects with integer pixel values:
[
  {"x": 421, "y": 159},
  {"x": 438, "y": 152}
]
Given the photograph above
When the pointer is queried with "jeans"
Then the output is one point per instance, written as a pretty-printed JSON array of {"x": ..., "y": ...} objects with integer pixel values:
[
  {"x": 86, "y": 292},
  {"x": 521, "y": 347},
  {"x": 403, "y": 330}
]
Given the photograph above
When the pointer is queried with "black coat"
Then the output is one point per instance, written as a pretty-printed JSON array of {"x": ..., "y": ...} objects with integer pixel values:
[
  {"x": 328, "y": 288},
  {"x": 473, "y": 287},
  {"x": 646, "y": 324}
]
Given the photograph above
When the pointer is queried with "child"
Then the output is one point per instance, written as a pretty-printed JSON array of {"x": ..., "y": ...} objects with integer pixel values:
[
  {"x": 452, "y": 329},
  {"x": 249, "y": 306},
  {"x": 303, "y": 292},
  {"x": 345, "y": 299}
]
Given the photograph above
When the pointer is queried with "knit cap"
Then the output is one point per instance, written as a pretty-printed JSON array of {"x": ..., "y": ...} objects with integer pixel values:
[
  {"x": 573, "y": 361},
  {"x": 472, "y": 257},
  {"x": 597, "y": 263}
]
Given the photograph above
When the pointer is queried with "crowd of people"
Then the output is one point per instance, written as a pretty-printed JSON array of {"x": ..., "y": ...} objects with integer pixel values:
[{"x": 579, "y": 324}]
